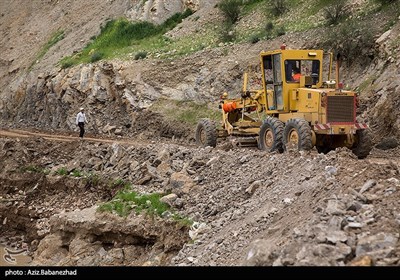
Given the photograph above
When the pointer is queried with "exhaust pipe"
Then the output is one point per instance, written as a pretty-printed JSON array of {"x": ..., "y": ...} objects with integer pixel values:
[{"x": 338, "y": 57}]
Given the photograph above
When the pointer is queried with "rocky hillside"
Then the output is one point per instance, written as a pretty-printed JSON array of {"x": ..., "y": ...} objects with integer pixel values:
[
  {"x": 30, "y": 82},
  {"x": 137, "y": 191},
  {"x": 248, "y": 207}
]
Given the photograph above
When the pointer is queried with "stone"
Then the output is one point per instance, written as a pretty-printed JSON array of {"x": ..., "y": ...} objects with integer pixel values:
[
  {"x": 380, "y": 245},
  {"x": 169, "y": 199},
  {"x": 335, "y": 207},
  {"x": 369, "y": 184},
  {"x": 109, "y": 128},
  {"x": 336, "y": 236},
  {"x": 388, "y": 143},
  {"x": 384, "y": 37},
  {"x": 261, "y": 253},
  {"x": 362, "y": 261},
  {"x": 181, "y": 181},
  {"x": 287, "y": 201},
  {"x": 253, "y": 187},
  {"x": 394, "y": 181},
  {"x": 330, "y": 171},
  {"x": 50, "y": 250},
  {"x": 354, "y": 225},
  {"x": 212, "y": 160},
  {"x": 118, "y": 131}
]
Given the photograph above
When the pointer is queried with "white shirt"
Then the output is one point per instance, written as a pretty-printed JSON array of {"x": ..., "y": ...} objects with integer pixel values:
[{"x": 80, "y": 117}]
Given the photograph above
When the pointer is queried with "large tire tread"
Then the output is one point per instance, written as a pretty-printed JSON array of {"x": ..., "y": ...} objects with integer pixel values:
[
  {"x": 303, "y": 130},
  {"x": 209, "y": 128},
  {"x": 276, "y": 126},
  {"x": 364, "y": 143}
]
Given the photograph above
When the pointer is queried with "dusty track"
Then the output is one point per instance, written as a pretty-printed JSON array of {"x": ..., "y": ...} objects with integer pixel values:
[
  {"x": 18, "y": 133},
  {"x": 374, "y": 158}
]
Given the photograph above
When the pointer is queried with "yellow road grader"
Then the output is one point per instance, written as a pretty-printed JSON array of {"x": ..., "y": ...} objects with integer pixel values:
[{"x": 293, "y": 107}]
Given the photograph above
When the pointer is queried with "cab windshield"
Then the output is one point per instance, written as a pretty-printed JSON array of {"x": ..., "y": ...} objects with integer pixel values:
[{"x": 296, "y": 68}]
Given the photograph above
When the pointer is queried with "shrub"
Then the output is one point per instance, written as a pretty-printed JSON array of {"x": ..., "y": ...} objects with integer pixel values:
[
  {"x": 140, "y": 55},
  {"x": 278, "y": 7},
  {"x": 336, "y": 12},
  {"x": 386, "y": 2},
  {"x": 230, "y": 9},
  {"x": 353, "y": 40},
  {"x": 96, "y": 56},
  {"x": 175, "y": 19},
  {"x": 254, "y": 39},
  {"x": 269, "y": 27},
  {"x": 66, "y": 63},
  {"x": 280, "y": 30}
]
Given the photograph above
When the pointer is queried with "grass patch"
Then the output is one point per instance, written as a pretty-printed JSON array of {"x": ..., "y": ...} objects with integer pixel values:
[
  {"x": 61, "y": 171},
  {"x": 186, "y": 111},
  {"x": 54, "y": 39},
  {"x": 118, "y": 34},
  {"x": 76, "y": 173},
  {"x": 35, "y": 169},
  {"x": 127, "y": 200}
]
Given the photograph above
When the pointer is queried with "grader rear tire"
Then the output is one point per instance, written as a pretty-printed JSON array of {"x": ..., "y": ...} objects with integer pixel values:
[
  {"x": 271, "y": 134},
  {"x": 363, "y": 143},
  {"x": 206, "y": 133},
  {"x": 298, "y": 132}
]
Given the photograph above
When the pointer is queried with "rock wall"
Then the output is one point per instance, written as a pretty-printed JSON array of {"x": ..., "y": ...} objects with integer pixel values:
[
  {"x": 158, "y": 11},
  {"x": 89, "y": 238}
]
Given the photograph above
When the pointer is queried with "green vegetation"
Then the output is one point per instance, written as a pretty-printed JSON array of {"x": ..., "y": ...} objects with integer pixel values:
[
  {"x": 92, "y": 180},
  {"x": 127, "y": 200},
  {"x": 120, "y": 34},
  {"x": 353, "y": 40},
  {"x": 96, "y": 56},
  {"x": 76, "y": 173},
  {"x": 278, "y": 7},
  {"x": 118, "y": 184},
  {"x": 140, "y": 55},
  {"x": 35, "y": 169},
  {"x": 336, "y": 12},
  {"x": 54, "y": 39},
  {"x": 62, "y": 171},
  {"x": 185, "y": 111},
  {"x": 231, "y": 10},
  {"x": 386, "y": 2},
  {"x": 262, "y": 20}
]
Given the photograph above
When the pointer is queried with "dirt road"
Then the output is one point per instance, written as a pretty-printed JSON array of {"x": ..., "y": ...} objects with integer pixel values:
[
  {"x": 376, "y": 157},
  {"x": 18, "y": 133}
]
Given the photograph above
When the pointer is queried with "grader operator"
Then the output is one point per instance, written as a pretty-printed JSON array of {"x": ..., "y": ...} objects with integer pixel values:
[{"x": 297, "y": 106}]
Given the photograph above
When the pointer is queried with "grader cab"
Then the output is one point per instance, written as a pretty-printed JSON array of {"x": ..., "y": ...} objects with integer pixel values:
[{"x": 294, "y": 106}]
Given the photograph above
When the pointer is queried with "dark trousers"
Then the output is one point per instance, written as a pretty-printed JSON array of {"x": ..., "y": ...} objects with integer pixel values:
[{"x": 81, "y": 129}]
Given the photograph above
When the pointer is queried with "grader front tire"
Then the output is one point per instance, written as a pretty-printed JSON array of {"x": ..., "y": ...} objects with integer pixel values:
[
  {"x": 206, "y": 133},
  {"x": 298, "y": 132},
  {"x": 363, "y": 143}
]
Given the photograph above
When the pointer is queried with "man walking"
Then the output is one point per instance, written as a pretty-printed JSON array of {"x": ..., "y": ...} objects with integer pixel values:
[{"x": 80, "y": 121}]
